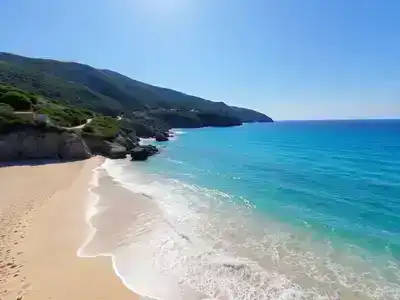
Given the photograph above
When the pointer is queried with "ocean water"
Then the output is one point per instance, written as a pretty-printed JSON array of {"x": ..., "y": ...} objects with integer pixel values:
[{"x": 290, "y": 210}]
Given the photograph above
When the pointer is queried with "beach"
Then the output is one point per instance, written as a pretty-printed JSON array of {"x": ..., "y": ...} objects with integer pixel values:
[
  {"x": 42, "y": 225},
  {"x": 201, "y": 221}
]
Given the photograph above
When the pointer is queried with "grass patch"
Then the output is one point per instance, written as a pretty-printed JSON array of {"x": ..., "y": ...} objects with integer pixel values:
[
  {"x": 102, "y": 127},
  {"x": 61, "y": 115}
]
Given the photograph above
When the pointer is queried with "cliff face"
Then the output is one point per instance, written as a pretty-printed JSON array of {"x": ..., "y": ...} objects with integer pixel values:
[{"x": 36, "y": 144}]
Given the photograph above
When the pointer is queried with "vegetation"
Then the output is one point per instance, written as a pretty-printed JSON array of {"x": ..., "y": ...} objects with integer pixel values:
[
  {"x": 16, "y": 100},
  {"x": 71, "y": 93},
  {"x": 64, "y": 115},
  {"x": 120, "y": 109},
  {"x": 111, "y": 93},
  {"x": 9, "y": 120},
  {"x": 60, "y": 114},
  {"x": 102, "y": 127}
]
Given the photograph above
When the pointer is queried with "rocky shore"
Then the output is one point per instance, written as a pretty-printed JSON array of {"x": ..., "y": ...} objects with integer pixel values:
[{"x": 39, "y": 143}]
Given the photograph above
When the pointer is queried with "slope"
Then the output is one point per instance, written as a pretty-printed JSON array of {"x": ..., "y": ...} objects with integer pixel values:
[{"x": 111, "y": 93}]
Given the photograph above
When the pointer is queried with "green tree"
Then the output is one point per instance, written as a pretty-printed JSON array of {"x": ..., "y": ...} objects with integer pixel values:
[
  {"x": 9, "y": 120},
  {"x": 16, "y": 100}
]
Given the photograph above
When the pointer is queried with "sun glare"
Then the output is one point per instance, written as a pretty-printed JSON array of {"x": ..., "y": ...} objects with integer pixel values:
[{"x": 166, "y": 7}]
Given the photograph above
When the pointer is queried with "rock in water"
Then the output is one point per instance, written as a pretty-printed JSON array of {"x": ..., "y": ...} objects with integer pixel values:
[
  {"x": 162, "y": 137},
  {"x": 151, "y": 149},
  {"x": 139, "y": 153},
  {"x": 143, "y": 152}
]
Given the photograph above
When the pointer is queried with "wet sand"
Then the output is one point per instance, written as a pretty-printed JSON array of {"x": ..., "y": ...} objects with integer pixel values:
[{"x": 42, "y": 225}]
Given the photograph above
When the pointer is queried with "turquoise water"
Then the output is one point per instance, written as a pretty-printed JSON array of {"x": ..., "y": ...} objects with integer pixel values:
[
  {"x": 290, "y": 210},
  {"x": 338, "y": 179}
]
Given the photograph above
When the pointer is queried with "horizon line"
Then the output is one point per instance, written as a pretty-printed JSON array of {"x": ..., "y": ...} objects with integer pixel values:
[{"x": 341, "y": 119}]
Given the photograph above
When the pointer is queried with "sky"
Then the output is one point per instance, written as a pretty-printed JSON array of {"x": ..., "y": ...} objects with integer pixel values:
[{"x": 291, "y": 59}]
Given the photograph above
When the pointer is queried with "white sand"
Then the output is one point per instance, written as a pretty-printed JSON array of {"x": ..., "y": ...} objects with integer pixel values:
[{"x": 42, "y": 225}]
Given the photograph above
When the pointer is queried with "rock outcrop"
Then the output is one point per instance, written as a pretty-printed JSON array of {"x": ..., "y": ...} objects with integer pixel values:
[
  {"x": 129, "y": 141},
  {"x": 73, "y": 147},
  {"x": 32, "y": 143},
  {"x": 115, "y": 149},
  {"x": 162, "y": 137},
  {"x": 143, "y": 152}
]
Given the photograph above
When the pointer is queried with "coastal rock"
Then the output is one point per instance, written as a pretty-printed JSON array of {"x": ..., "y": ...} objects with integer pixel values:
[
  {"x": 152, "y": 150},
  {"x": 34, "y": 143},
  {"x": 162, "y": 137},
  {"x": 116, "y": 151},
  {"x": 113, "y": 149},
  {"x": 73, "y": 147},
  {"x": 143, "y": 152},
  {"x": 129, "y": 141}
]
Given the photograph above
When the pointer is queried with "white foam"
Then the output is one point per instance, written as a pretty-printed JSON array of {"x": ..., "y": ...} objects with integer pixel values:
[
  {"x": 91, "y": 209},
  {"x": 177, "y": 132},
  {"x": 186, "y": 247},
  {"x": 146, "y": 141}
]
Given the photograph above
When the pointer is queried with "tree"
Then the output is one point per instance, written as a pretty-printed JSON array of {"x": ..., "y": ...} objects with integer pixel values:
[{"x": 16, "y": 100}]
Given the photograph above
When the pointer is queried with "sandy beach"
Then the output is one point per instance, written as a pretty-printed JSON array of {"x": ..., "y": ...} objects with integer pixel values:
[{"x": 42, "y": 225}]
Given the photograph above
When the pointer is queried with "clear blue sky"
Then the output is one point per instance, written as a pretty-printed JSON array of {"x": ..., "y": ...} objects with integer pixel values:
[{"x": 292, "y": 59}]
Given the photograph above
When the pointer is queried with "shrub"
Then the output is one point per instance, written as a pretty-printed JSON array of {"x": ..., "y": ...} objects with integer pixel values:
[
  {"x": 34, "y": 99},
  {"x": 17, "y": 100},
  {"x": 88, "y": 129},
  {"x": 103, "y": 127},
  {"x": 5, "y": 108},
  {"x": 9, "y": 120},
  {"x": 62, "y": 115}
]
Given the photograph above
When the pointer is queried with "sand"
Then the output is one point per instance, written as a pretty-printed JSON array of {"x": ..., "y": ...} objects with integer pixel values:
[{"x": 42, "y": 225}]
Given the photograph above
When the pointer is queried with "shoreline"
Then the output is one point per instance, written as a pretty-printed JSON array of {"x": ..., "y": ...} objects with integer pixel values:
[
  {"x": 42, "y": 225},
  {"x": 105, "y": 239}
]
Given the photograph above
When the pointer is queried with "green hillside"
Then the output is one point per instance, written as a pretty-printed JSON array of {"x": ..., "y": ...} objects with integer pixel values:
[{"x": 111, "y": 93}]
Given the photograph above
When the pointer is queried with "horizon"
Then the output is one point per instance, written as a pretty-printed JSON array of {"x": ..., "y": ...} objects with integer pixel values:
[{"x": 291, "y": 61}]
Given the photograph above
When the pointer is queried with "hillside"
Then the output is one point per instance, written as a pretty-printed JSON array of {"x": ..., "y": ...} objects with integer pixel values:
[
  {"x": 111, "y": 93},
  {"x": 35, "y": 127}
]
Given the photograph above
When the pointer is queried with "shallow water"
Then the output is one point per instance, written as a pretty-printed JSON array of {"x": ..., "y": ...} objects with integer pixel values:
[{"x": 296, "y": 210}]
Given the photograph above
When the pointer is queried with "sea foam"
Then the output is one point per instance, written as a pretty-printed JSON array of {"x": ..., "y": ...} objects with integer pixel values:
[{"x": 185, "y": 241}]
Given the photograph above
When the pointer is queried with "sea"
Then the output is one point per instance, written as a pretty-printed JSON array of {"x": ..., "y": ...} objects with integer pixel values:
[{"x": 284, "y": 210}]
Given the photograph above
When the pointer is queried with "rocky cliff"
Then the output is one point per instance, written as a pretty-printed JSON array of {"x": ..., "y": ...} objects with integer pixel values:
[
  {"x": 42, "y": 143},
  {"x": 34, "y": 143}
]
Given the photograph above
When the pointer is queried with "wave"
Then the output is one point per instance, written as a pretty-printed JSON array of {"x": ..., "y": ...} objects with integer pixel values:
[
  {"x": 91, "y": 210},
  {"x": 199, "y": 243}
]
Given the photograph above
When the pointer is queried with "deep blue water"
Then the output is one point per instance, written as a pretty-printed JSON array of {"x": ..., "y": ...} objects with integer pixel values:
[{"x": 310, "y": 210}]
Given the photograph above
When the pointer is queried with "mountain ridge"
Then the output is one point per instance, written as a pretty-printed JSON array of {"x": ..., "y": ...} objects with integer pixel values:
[{"x": 105, "y": 90}]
